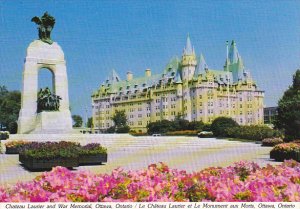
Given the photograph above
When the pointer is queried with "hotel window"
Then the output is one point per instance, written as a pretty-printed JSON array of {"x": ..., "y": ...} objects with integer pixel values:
[
  {"x": 140, "y": 115},
  {"x": 140, "y": 123}
]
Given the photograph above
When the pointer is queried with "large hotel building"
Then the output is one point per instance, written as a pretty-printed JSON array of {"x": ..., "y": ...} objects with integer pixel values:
[{"x": 186, "y": 87}]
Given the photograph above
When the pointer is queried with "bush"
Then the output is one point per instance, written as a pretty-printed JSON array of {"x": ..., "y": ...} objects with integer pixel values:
[
  {"x": 206, "y": 127},
  {"x": 182, "y": 133},
  {"x": 92, "y": 149},
  {"x": 50, "y": 150},
  {"x": 14, "y": 147},
  {"x": 271, "y": 142},
  {"x": 13, "y": 127},
  {"x": 160, "y": 127},
  {"x": 54, "y": 150},
  {"x": 123, "y": 129},
  {"x": 4, "y": 135},
  {"x": 138, "y": 134},
  {"x": 254, "y": 132},
  {"x": 219, "y": 125},
  {"x": 285, "y": 151},
  {"x": 178, "y": 124},
  {"x": 111, "y": 130}
]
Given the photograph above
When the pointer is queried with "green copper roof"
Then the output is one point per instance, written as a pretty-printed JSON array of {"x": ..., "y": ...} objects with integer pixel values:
[
  {"x": 201, "y": 66},
  {"x": 188, "y": 50},
  {"x": 233, "y": 53},
  {"x": 115, "y": 85}
]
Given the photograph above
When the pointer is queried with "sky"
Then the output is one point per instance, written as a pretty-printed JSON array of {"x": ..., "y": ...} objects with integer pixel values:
[{"x": 98, "y": 36}]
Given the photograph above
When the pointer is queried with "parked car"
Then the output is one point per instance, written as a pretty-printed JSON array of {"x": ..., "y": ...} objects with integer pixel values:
[
  {"x": 156, "y": 135},
  {"x": 205, "y": 134}
]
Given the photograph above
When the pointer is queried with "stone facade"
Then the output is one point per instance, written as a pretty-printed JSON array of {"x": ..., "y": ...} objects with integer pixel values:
[{"x": 186, "y": 87}]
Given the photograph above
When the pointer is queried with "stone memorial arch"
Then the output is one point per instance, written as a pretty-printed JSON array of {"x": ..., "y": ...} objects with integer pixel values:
[{"x": 44, "y": 53}]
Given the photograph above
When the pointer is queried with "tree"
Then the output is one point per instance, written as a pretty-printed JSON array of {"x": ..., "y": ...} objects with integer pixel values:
[
  {"x": 288, "y": 117},
  {"x": 77, "y": 120},
  {"x": 90, "y": 123},
  {"x": 219, "y": 125},
  {"x": 160, "y": 127},
  {"x": 120, "y": 118},
  {"x": 195, "y": 125},
  {"x": 10, "y": 104},
  {"x": 120, "y": 121}
]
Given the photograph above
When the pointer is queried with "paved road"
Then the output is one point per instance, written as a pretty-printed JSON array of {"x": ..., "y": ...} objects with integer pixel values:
[{"x": 188, "y": 153}]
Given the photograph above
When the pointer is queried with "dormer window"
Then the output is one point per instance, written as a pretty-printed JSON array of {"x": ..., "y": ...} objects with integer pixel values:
[
  {"x": 135, "y": 86},
  {"x": 128, "y": 87}
]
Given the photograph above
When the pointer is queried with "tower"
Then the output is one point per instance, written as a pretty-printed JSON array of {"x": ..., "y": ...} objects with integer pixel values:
[
  {"x": 189, "y": 61},
  {"x": 234, "y": 62},
  {"x": 188, "y": 64}
]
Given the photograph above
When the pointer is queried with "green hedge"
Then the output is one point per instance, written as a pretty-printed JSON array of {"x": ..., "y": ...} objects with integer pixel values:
[
  {"x": 254, "y": 132},
  {"x": 220, "y": 124},
  {"x": 182, "y": 133}
]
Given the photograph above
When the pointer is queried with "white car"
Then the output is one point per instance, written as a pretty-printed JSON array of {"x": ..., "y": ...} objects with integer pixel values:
[{"x": 205, "y": 134}]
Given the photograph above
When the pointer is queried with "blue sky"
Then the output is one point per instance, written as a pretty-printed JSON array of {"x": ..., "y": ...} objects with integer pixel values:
[{"x": 97, "y": 36}]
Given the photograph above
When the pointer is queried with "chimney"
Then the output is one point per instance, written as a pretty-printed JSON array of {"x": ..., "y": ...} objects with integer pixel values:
[
  {"x": 129, "y": 76},
  {"x": 148, "y": 72}
]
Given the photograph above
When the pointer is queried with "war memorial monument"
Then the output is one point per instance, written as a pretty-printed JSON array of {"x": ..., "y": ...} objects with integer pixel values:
[{"x": 45, "y": 112}]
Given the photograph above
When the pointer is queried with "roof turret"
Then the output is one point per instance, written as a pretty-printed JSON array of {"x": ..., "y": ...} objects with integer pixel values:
[
  {"x": 233, "y": 53},
  {"x": 201, "y": 66},
  {"x": 189, "y": 49},
  {"x": 178, "y": 77}
]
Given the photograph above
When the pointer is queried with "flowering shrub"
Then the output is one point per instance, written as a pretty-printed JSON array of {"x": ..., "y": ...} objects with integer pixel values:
[
  {"x": 92, "y": 149},
  {"x": 16, "y": 143},
  {"x": 242, "y": 181},
  {"x": 285, "y": 151},
  {"x": 50, "y": 150},
  {"x": 270, "y": 142},
  {"x": 14, "y": 147}
]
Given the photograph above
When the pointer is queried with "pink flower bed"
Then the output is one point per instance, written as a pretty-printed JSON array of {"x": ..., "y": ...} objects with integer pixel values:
[{"x": 242, "y": 181}]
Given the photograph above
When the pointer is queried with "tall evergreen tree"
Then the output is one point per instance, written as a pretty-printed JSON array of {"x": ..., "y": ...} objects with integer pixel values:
[{"x": 288, "y": 117}]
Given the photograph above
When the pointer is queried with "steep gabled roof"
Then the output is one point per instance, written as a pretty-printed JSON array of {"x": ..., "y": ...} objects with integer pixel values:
[{"x": 233, "y": 53}]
